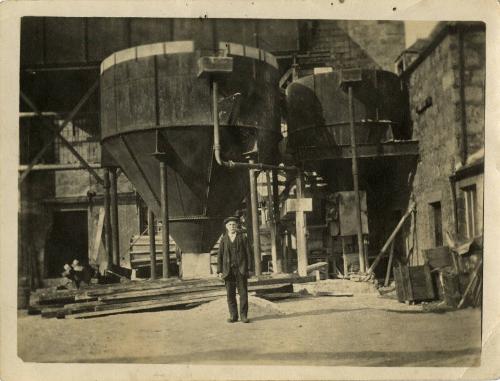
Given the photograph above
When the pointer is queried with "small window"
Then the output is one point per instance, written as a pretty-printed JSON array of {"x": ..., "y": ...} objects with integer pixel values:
[
  {"x": 437, "y": 219},
  {"x": 470, "y": 196}
]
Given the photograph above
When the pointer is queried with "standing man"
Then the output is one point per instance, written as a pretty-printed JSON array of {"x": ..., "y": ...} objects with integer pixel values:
[{"x": 233, "y": 260}]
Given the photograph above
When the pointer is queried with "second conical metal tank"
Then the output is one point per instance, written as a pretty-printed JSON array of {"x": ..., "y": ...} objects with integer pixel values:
[{"x": 318, "y": 109}]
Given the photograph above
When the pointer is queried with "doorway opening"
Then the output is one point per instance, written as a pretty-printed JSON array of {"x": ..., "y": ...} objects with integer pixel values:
[{"x": 67, "y": 241}]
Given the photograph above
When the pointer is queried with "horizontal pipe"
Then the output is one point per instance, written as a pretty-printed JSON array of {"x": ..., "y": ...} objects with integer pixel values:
[
  {"x": 217, "y": 147},
  {"x": 58, "y": 167}
]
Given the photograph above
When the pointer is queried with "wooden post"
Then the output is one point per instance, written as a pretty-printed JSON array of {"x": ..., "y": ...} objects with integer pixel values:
[
  {"x": 165, "y": 233},
  {"x": 365, "y": 250},
  {"x": 115, "y": 232},
  {"x": 284, "y": 249},
  {"x": 152, "y": 243},
  {"x": 107, "y": 218},
  {"x": 389, "y": 266},
  {"x": 277, "y": 265},
  {"x": 391, "y": 238},
  {"x": 344, "y": 256},
  {"x": 359, "y": 222},
  {"x": 255, "y": 220},
  {"x": 300, "y": 227}
]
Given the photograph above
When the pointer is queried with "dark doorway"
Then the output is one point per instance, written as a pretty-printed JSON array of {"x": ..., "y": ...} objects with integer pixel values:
[{"x": 67, "y": 241}]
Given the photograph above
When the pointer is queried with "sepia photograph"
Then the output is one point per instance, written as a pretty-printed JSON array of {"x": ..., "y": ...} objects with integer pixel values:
[{"x": 250, "y": 191}]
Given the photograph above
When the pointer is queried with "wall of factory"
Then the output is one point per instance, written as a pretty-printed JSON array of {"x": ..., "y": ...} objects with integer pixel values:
[
  {"x": 45, "y": 194},
  {"x": 351, "y": 42},
  {"x": 436, "y": 112},
  {"x": 78, "y": 39}
]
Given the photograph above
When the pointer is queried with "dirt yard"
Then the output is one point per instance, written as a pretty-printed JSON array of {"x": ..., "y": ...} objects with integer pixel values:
[{"x": 365, "y": 330}]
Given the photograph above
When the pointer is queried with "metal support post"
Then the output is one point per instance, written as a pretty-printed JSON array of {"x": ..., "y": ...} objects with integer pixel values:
[
  {"x": 277, "y": 265},
  {"x": 255, "y": 220},
  {"x": 115, "y": 232},
  {"x": 277, "y": 224},
  {"x": 107, "y": 218},
  {"x": 165, "y": 233},
  {"x": 152, "y": 243},
  {"x": 359, "y": 225},
  {"x": 301, "y": 228}
]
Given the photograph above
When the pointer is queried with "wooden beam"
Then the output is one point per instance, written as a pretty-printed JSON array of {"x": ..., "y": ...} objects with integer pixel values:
[
  {"x": 55, "y": 129},
  {"x": 66, "y": 121},
  {"x": 341, "y": 152},
  {"x": 391, "y": 237}
]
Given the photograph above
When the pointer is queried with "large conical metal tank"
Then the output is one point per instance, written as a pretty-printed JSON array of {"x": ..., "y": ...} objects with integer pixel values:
[
  {"x": 318, "y": 109},
  {"x": 152, "y": 98}
]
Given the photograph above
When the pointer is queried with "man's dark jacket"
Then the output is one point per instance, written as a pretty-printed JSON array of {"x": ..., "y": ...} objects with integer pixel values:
[{"x": 243, "y": 254}]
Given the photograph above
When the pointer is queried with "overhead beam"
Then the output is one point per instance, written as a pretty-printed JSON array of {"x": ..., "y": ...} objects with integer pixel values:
[
  {"x": 66, "y": 121},
  {"x": 339, "y": 152}
]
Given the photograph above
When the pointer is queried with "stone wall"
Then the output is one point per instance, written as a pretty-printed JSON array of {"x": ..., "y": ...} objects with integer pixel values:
[{"x": 437, "y": 126}]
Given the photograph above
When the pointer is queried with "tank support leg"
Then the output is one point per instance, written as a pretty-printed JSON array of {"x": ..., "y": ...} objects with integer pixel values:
[
  {"x": 165, "y": 233},
  {"x": 115, "y": 232},
  {"x": 107, "y": 217},
  {"x": 255, "y": 220},
  {"x": 152, "y": 243}
]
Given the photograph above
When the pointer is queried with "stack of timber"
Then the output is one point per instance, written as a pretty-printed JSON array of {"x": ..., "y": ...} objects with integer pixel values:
[
  {"x": 139, "y": 296},
  {"x": 139, "y": 251}
]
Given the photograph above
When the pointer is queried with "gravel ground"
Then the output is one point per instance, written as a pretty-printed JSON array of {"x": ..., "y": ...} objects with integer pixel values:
[{"x": 364, "y": 330}]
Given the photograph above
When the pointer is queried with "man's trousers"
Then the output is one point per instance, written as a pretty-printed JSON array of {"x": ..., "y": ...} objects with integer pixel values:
[{"x": 236, "y": 281}]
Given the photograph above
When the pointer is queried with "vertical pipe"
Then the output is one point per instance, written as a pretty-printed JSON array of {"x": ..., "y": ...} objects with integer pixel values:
[
  {"x": 356, "y": 185},
  {"x": 107, "y": 219},
  {"x": 165, "y": 234},
  {"x": 255, "y": 220},
  {"x": 344, "y": 256},
  {"x": 115, "y": 232},
  {"x": 152, "y": 243},
  {"x": 277, "y": 268},
  {"x": 300, "y": 227}
]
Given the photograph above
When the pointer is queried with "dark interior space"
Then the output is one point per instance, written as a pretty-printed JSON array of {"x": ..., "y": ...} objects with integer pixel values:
[{"x": 67, "y": 241}]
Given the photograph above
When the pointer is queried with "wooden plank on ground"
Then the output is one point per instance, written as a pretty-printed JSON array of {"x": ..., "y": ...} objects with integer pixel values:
[{"x": 141, "y": 308}]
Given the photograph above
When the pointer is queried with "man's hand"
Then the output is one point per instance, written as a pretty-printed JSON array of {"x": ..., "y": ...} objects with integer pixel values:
[{"x": 220, "y": 275}]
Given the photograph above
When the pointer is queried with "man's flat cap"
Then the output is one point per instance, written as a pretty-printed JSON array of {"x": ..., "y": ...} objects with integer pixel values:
[{"x": 232, "y": 218}]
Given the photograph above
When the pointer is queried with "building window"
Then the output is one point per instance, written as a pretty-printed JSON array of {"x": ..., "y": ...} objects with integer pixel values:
[
  {"x": 437, "y": 220},
  {"x": 470, "y": 197}
]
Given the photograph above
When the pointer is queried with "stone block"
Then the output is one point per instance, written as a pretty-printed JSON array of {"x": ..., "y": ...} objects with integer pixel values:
[{"x": 474, "y": 94}]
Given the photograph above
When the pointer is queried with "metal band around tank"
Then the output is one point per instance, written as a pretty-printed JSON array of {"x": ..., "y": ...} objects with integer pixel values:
[
  {"x": 182, "y": 47},
  {"x": 142, "y": 51},
  {"x": 232, "y": 49}
]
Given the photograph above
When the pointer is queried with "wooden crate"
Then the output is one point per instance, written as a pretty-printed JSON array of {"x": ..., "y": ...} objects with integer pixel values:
[
  {"x": 414, "y": 283},
  {"x": 438, "y": 257}
]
